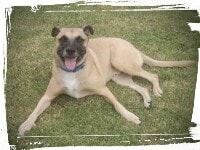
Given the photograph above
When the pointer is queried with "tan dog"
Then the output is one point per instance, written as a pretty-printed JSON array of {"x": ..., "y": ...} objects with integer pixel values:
[{"x": 83, "y": 67}]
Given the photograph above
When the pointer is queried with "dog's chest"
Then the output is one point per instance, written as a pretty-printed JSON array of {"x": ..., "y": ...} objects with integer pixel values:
[{"x": 72, "y": 85}]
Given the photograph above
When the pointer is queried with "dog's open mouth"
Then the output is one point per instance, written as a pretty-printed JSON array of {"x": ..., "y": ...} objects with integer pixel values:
[{"x": 70, "y": 62}]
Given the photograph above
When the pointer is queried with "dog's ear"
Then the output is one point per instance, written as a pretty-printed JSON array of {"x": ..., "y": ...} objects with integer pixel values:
[
  {"x": 55, "y": 31},
  {"x": 88, "y": 30}
]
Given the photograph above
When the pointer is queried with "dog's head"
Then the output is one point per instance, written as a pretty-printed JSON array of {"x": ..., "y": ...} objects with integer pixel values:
[{"x": 71, "y": 44}]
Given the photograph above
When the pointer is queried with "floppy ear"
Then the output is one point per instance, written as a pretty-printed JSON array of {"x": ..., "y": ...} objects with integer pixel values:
[
  {"x": 55, "y": 31},
  {"x": 88, "y": 30}
]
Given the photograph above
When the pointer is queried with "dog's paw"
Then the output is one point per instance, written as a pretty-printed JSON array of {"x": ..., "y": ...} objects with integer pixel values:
[
  {"x": 147, "y": 104},
  {"x": 147, "y": 100},
  {"x": 133, "y": 118},
  {"x": 26, "y": 126},
  {"x": 157, "y": 91}
]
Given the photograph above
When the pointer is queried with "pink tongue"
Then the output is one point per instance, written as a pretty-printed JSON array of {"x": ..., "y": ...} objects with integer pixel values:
[{"x": 70, "y": 63}]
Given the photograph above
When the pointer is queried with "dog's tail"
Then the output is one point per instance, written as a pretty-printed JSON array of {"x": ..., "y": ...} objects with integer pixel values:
[{"x": 152, "y": 62}]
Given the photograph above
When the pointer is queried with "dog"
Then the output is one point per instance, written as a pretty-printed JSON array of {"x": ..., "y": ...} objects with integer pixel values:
[{"x": 82, "y": 67}]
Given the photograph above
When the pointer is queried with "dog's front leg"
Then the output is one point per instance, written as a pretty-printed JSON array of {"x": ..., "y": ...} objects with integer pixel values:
[
  {"x": 52, "y": 91},
  {"x": 119, "y": 108}
]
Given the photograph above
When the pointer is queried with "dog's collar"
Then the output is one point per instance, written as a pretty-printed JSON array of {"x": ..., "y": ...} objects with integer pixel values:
[{"x": 73, "y": 70}]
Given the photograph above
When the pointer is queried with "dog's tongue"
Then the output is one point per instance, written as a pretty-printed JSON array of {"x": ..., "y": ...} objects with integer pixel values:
[{"x": 70, "y": 63}]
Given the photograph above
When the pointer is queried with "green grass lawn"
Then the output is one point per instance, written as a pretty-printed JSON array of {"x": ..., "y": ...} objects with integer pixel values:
[{"x": 163, "y": 35}]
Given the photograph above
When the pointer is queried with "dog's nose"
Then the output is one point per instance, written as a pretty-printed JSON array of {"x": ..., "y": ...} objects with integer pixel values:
[{"x": 70, "y": 52}]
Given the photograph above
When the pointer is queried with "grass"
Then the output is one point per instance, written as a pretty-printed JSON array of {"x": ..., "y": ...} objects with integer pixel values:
[{"x": 162, "y": 35}]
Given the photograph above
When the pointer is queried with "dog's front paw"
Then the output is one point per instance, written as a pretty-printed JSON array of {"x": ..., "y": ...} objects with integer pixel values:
[{"x": 26, "y": 126}]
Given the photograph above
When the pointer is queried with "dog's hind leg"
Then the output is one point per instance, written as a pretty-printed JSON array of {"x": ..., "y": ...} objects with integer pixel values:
[
  {"x": 153, "y": 78},
  {"x": 126, "y": 80},
  {"x": 118, "y": 107},
  {"x": 130, "y": 61},
  {"x": 52, "y": 91},
  {"x": 135, "y": 69}
]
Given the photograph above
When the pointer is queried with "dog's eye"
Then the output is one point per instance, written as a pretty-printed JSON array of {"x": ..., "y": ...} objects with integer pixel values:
[
  {"x": 63, "y": 39},
  {"x": 79, "y": 39}
]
